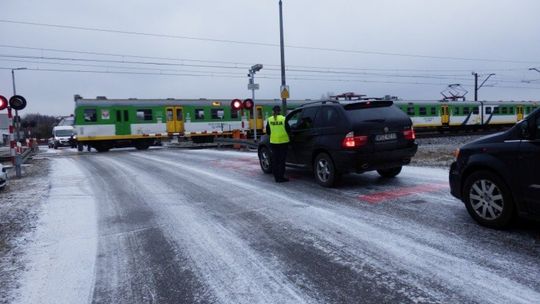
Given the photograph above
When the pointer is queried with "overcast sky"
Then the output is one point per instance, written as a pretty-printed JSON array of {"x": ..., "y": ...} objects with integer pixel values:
[{"x": 411, "y": 49}]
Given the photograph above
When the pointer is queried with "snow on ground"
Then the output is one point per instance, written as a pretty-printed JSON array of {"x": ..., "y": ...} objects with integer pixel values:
[
  {"x": 61, "y": 258},
  {"x": 20, "y": 204}
]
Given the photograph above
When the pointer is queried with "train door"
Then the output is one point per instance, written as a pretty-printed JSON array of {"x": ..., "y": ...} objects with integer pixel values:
[
  {"x": 179, "y": 119},
  {"x": 122, "y": 124},
  {"x": 519, "y": 112},
  {"x": 445, "y": 115},
  {"x": 175, "y": 119}
]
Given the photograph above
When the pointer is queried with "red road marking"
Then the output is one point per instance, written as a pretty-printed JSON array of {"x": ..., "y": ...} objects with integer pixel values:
[{"x": 378, "y": 197}]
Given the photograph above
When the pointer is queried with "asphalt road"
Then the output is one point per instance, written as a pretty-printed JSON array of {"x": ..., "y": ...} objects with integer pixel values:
[{"x": 206, "y": 226}]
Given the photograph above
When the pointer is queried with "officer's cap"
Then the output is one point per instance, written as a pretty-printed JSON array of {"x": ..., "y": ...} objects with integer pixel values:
[{"x": 276, "y": 108}]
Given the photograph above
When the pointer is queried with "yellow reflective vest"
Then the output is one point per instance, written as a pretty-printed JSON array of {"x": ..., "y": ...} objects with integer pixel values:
[{"x": 278, "y": 132}]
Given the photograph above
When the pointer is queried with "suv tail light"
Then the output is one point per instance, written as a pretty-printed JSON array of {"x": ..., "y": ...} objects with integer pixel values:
[
  {"x": 409, "y": 134},
  {"x": 351, "y": 141}
]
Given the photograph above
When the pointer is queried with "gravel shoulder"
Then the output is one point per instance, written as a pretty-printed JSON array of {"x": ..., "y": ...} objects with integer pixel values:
[{"x": 439, "y": 152}]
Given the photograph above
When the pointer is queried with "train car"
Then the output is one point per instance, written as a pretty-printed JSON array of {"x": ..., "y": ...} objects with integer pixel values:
[
  {"x": 103, "y": 123},
  {"x": 461, "y": 115}
]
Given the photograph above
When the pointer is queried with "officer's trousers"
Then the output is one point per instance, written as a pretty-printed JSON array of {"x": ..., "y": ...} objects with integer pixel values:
[{"x": 279, "y": 155}]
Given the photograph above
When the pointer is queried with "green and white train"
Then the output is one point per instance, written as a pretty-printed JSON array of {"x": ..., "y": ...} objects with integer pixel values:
[{"x": 104, "y": 123}]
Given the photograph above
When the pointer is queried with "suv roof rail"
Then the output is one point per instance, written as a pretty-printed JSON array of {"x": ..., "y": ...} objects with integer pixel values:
[{"x": 319, "y": 101}]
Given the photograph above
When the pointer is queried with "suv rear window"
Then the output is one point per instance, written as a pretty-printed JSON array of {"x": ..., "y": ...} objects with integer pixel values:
[{"x": 363, "y": 114}]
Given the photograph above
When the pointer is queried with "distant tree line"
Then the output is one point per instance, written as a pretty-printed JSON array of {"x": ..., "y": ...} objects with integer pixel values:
[{"x": 40, "y": 126}]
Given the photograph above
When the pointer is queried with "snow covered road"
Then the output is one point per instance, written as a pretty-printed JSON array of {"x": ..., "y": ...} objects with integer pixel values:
[{"x": 206, "y": 226}]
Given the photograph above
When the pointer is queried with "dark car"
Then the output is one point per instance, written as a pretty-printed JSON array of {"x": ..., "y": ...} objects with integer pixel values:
[
  {"x": 498, "y": 176},
  {"x": 332, "y": 138}
]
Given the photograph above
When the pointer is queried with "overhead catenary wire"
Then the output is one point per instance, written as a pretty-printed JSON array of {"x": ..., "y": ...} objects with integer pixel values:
[
  {"x": 263, "y": 44},
  {"x": 242, "y": 77},
  {"x": 305, "y": 73}
]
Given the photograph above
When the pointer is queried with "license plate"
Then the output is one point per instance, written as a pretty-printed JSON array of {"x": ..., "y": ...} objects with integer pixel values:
[{"x": 383, "y": 137}]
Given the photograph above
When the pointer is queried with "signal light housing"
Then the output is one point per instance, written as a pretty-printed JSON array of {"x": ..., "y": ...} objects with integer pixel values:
[
  {"x": 17, "y": 102},
  {"x": 350, "y": 141},
  {"x": 236, "y": 104},
  {"x": 3, "y": 103},
  {"x": 248, "y": 104}
]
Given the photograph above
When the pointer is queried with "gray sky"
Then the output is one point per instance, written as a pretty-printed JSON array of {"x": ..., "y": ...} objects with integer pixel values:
[{"x": 495, "y": 36}]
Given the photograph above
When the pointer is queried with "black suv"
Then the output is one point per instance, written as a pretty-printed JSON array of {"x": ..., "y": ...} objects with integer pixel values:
[
  {"x": 498, "y": 176},
  {"x": 333, "y": 138}
]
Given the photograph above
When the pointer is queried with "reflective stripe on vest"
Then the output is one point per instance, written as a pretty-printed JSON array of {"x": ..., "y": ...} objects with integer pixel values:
[{"x": 278, "y": 133}]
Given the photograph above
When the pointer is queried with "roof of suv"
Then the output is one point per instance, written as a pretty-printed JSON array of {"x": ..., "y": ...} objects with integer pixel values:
[{"x": 350, "y": 104}]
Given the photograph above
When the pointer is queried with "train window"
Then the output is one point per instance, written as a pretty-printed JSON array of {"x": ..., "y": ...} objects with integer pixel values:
[
  {"x": 488, "y": 110},
  {"x": 422, "y": 111},
  {"x": 118, "y": 115},
  {"x": 217, "y": 113},
  {"x": 179, "y": 114},
  {"x": 199, "y": 114},
  {"x": 144, "y": 114},
  {"x": 259, "y": 113},
  {"x": 496, "y": 110},
  {"x": 410, "y": 111},
  {"x": 475, "y": 111},
  {"x": 456, "y": 111},
  {"x": 465, "y": 110},
  {"x": 510, "y": 110},
  {"x": 169, "y": 115},
  {"x": 528, "y": 110},
  {"x": 504, "y": 110},
  {"x": 90, "y": 115},
  {"x": 234, "y": 113},
  {"x": 433, "y": 111}
]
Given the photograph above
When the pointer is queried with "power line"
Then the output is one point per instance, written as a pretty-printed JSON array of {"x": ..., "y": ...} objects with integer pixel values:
[
  {"x": 242, "y": 77},
  {"x": 239, "y": 42},
  {"x": 249, "y": 64},
  {"x": 325, "y": 72}
]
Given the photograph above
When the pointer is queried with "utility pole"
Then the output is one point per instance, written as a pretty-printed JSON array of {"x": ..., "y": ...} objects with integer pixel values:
[
  {"x": 282, "y": 48},
  {"x": 476, "y": 86}
]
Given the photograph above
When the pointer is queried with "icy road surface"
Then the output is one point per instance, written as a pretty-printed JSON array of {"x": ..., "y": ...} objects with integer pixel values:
[{"x": 206, "y": 226}]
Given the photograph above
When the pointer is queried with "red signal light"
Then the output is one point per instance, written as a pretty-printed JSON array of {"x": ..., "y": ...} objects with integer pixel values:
[
  {"x": 236, "y": 104},
  {"x": 248, "y": 103},
  {"x": 3, "y": 102}
]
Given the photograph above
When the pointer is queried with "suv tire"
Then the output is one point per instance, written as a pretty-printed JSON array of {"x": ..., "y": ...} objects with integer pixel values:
[
  {"x": 488, "y": 200},
  {"x": 389, "y": 173},
  {"x": 265, "y": 160},
  {"x": 325, "y": 170}
]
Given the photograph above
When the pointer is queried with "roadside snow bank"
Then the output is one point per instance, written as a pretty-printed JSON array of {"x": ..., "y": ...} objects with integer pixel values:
[{"x": 61, "y": 258}]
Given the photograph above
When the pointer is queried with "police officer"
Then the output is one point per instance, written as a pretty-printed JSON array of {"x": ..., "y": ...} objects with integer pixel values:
[{"x": 278, "y": 130}]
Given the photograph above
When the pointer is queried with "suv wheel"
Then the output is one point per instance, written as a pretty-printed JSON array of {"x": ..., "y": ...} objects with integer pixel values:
[
  {"x": 325, "y": 171},
  {"x": 488, "y": 199},
  {"x": 265, "y": 159},
  {"x": 389, "y": 173}
]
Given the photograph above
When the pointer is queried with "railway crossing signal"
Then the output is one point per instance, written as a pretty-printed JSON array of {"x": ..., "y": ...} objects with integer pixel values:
[
  {"x": 236, "y": 104},
  {"x": 248, "y": 104},
  {"x": 17, "y": 102},
  {"x": 3, "y": 102}
]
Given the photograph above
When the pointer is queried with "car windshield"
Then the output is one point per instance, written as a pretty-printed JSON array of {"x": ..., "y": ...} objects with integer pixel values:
[{"x": 63, "y": 133}]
